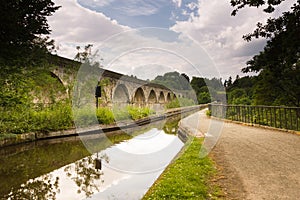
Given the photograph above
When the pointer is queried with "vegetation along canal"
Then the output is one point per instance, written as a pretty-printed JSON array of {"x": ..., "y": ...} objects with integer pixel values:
[{"x": 64, "y": 168}]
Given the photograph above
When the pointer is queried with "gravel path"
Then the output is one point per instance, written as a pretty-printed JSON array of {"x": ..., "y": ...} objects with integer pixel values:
[{"x": 255, "y": 163}]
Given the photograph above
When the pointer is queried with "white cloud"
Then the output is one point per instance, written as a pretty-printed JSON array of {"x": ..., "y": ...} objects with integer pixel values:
[
  {"x": 74, "y": 25},
  {"x": 177, "y": 3},
  {"x": 192, "y": 6},
  {"x": 146, "y": 53},
  {"x": 97, "y": 3},
  {"x": 135, "y": 10},
  {"x": 212, "y": 28},
  {"x": 221, "y": 34}
]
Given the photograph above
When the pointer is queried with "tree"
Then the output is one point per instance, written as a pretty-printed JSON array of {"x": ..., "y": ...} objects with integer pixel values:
[
  {"x": 278, "y": 64},
  {"x": 229, "y": 82},
  {"x": 84, "y": 55},
  {"x": 186, "y": 77},
  {"x": 197, "y": 83},
  {"x": 241, "y": 89},
  {"x": 203, "y": 98},
  {"x": 173, "y": 80},
  {"x": 23, "y": 27}
]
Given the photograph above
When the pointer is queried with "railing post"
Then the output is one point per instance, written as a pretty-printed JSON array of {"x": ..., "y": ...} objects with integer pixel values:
[
  {"x": 291, "y": 127},
  {"x": 280, "y": 122},
  {"x": 297, "y": 117},
  {"x": 285, "y": 118},
  {"x": 258, "y": 115},
  {"x": 275, "y": 117}
]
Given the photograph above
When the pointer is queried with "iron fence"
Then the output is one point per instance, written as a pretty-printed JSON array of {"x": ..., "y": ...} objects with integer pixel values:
[{"x": 274, "y": 116}]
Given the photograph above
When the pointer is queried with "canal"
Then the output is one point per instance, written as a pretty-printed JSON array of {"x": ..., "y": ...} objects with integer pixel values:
[{"x": 64, "y": 168}]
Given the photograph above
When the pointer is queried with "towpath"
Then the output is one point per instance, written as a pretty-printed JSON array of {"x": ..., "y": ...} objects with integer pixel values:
[{"x": 254, "y": 163}]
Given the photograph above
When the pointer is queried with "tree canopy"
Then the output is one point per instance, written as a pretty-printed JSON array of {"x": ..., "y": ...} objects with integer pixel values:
[
  {"x": 174, "y": 80},
  {"x": 278, "y": 64},
  {"x": 23, "y": 27}
]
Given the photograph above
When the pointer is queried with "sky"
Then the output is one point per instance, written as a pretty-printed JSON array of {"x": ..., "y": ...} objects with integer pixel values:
[{"x": 149, "y": 38}]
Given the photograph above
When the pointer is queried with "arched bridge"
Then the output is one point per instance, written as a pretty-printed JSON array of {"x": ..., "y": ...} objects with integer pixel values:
[{"x": 119, "y": 89}]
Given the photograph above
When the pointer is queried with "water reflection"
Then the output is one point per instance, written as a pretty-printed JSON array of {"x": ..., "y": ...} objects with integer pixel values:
[
  {"x": 43, "y": 188},
  {"x": 85, "y": 175},
  {"x": 129, "y": 168},
  {"x": 171, "y": 125}
]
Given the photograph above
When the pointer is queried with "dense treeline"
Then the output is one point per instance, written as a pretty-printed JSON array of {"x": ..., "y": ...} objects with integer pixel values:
[
  {"x": 278, "y": 65},
  {"x": 241, "y": 90},
  {"x": 174, "y": 80},
  {"x": 205, "y": 90}
]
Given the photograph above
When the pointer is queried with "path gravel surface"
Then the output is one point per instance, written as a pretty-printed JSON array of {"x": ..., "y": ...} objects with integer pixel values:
[{"x": 255, "y": 163}]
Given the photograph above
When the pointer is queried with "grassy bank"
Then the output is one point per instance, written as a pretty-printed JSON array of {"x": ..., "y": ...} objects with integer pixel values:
[
  {"x": 188, "y": 177},
  {"x": 180, "y": 102},
  {"x": 34, "y": 99}
]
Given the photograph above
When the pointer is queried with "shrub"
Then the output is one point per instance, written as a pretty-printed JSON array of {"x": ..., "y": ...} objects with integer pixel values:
[
  {"x": 138, "y": 113},
  {"x": 85, "y": 116},
  {"x": 121, "y": 113},
  {"x": 208, "y": 113},
  {"x": 180, "y": 102},
  {"x": 105, "y": 115}
]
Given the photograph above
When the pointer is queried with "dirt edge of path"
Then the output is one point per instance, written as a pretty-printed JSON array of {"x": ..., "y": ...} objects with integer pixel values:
[{"x": 227, "y": 177}]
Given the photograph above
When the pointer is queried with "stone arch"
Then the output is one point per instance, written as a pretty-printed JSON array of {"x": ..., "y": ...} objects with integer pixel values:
[
  {"x": 139, "y": 96},
  {"x": 169, "y": 97},
  {"x": 121, "y": 94},
  {"x": 161, "y": 98},
  {"x": 152, "y": 97},
  {"x": 54, "y": 75}
]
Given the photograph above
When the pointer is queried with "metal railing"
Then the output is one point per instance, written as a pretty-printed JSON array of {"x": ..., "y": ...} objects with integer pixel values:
[{"x": 274, "y": 116}]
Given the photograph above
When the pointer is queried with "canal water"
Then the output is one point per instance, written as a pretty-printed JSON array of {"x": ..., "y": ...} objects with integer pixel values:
[{"x": 65, "y": 169}]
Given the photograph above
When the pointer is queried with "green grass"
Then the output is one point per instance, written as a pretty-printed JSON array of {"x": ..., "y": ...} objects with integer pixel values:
[
  {"x": 188, "y": 177},
  {"x": 131, "y": 113},
  {"x": 180, "y": 102},
  {"x": 17, "y": 120}
]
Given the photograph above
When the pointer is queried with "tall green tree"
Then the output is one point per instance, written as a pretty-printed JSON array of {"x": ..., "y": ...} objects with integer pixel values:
[
  {"x": 278, "y": 64},
  {"x": 173, "y": 80},
  {"x": 24, "y": 27}
]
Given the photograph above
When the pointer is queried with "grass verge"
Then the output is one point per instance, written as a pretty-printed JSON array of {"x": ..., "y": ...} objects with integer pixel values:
[{"x": 187, "y": 177}]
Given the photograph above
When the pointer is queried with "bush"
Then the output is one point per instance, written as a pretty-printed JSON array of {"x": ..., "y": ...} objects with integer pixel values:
[
  {"x": 85, "y": 116},
  {"x": 55, "y": 117},
  {"x": 138, "y": 113},
  {"x": 131, "y": 112},
  {"x": 121, "y": 113},
  {"x": 208, "y": 113},
  {"x": 105, "y": 116},
  {"x": 21, "y": 119},
  {"x": 180, "y": 102}
]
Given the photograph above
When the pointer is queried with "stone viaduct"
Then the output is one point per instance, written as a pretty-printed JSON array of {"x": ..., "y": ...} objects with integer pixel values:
[
  {"x": 119, "y": 89},
  {"x": 116, "y": 88}
]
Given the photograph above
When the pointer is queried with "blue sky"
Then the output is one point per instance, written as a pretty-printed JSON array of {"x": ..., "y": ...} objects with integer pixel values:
[
  {"x": 201, "y": 30},
  {"x": 143, "y": 13}
]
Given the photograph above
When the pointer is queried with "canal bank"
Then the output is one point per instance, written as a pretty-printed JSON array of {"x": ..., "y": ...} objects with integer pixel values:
[
  {"x": 30, "y": 137},
  {"x": 65, "y": 166},
  {"x": 189, "y": 175}
]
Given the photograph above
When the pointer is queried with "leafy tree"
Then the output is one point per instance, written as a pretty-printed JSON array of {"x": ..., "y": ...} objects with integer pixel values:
[
  {"x": 173, "y": 80},
  {"x": 228, "y": 82},
  {"x": 239, "y": 96},
  {"x": 85, "y": 54},
  {"x": 279, "y": 63},
  {"x": 241, "y": 90},
  {"x": 203, "y": 98},
  {"x": 23, "y": 28},
  {"x": 197, "y": 83},
  {"x": 187, "y": 78}
]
